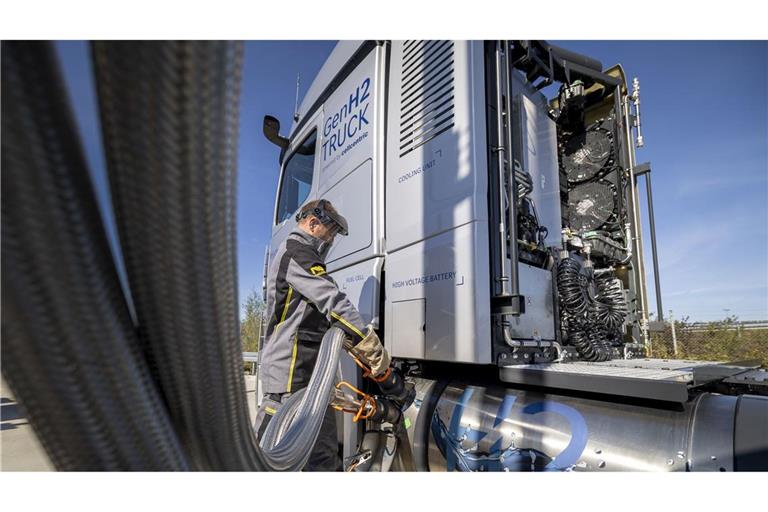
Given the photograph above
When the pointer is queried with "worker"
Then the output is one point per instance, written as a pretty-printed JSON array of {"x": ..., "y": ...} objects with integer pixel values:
[{"x": 303, "y": 302}]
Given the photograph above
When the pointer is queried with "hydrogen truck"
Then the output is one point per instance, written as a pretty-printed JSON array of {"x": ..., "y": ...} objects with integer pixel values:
[{"x": 493, "y": 197}]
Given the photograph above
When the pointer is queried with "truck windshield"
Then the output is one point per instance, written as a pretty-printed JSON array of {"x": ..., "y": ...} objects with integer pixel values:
[{"x": 297, "y": 178}]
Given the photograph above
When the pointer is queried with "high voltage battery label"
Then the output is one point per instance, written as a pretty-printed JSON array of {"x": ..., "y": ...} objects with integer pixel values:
[{"x": 442, "y": 276}]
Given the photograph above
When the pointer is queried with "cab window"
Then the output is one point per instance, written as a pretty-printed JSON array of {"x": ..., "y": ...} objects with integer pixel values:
[{"x": 297, "y": 178}]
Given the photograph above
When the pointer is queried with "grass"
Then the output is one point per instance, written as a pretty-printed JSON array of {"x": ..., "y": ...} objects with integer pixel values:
[{"x": 719, "y": 341}]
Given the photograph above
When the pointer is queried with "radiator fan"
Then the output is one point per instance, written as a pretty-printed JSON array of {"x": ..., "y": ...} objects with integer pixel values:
[
  {"x": 586, "y": 154},
  {"x": 590, "y": 205}
]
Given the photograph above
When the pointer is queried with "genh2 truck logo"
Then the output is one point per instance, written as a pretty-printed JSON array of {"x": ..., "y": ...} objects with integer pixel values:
[{"x": 347, "y": 127}]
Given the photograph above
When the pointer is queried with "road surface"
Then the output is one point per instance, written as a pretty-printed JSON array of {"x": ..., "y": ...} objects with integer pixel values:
[{"x": 21, "y": 451}]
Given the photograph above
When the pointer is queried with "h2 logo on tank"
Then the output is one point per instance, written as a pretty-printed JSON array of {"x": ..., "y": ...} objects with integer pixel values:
[
  {"x": 347, "y": 126},
  {"x": 450, "y": 438}
]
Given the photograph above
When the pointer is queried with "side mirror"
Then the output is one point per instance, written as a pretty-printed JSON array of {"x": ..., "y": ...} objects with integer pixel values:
[{"x": 272, "y": 132}]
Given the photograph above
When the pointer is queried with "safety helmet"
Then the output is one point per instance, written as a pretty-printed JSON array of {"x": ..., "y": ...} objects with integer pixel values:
[{"x": 327, "y": 214}]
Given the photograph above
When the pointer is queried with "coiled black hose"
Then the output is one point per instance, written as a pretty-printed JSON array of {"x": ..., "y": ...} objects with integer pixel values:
[
  {"x": 169, "y": 114},
  {"x": 593, "y": 320},
  {"x": 69, "y": 350},
  {"x": 610, "y": 307},
  {"x": 579, "y": 338},
  {"x": 572, "y": 287},
  {"x": 591, "y": 340}
]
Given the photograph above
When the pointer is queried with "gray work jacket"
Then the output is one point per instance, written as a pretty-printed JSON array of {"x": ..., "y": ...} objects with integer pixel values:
[{"x": 303, "y": 302}]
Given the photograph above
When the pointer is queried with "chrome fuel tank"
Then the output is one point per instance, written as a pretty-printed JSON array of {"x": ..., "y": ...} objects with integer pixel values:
[{"x": 458, "y": 427}]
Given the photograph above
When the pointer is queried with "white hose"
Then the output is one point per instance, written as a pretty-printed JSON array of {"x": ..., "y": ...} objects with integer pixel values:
[{"x": 292, "y": 432}]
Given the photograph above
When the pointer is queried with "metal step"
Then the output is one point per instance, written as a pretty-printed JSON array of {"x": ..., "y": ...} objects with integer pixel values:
[
  {"x": 758, "y": 377},
  {"x": 657, "y": 379}
]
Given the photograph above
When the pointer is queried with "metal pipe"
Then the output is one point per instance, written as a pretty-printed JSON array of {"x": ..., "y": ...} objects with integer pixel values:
[
  {"x": 640, "y": 275},
  {"x": 532, "y": 343},
  {"x": 648, "y": 187},
  {"x": 636, "y": 101},
  {"x": 500, "y": 152},
  {"x": 674, "y": 333},
  {"x": 628, "y": 245},
  {"x": 264, "y": 275},
  {"x": 514, "y": 283},
  {"x": 641, "y": 262}
]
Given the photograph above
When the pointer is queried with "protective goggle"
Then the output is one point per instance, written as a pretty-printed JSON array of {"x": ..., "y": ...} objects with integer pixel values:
[{"x": 336, "y": 221}]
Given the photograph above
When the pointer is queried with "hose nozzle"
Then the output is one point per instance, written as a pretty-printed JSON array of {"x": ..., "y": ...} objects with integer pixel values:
[{"x": 395, "y": 388}]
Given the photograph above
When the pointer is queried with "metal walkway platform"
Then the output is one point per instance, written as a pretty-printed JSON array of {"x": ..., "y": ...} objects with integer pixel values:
[{"x": 656, "y": 379}]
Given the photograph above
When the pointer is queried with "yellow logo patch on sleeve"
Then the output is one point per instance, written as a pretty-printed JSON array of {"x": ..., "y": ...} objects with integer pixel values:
[{"x": 317, "y": 270}]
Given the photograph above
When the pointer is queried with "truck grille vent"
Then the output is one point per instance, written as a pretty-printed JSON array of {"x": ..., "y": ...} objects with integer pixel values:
[{"x": 426, "y": 92}]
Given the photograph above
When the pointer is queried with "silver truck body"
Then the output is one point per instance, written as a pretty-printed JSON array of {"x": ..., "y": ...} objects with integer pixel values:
[{"x": 406, "y": 151}]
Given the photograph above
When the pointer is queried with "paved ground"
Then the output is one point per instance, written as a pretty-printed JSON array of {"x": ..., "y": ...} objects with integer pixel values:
[
  {"x": 250, "y": 391},
  {"x": 19, "y": 448},
  {"x": 21, "y": 451}
]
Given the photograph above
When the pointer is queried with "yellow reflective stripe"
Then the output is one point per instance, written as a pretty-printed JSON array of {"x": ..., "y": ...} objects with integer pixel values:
[
  {"x": 269, "y": 410},
  {"x": 287, "y": 301},
  {"x": 293, "y": 360},
  {"x": 317, "y": 270},
  {"x": 354, "y": 329},
  {"x": 285, "y": 308}
]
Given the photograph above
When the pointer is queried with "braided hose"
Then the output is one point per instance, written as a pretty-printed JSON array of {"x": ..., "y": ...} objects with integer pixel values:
[
  {"x": 169, "y": 115},
  {"x": 69, "y": 349}
]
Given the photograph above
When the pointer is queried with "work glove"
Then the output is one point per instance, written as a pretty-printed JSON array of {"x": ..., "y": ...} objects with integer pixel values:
[{"x": 372, "y": 353}]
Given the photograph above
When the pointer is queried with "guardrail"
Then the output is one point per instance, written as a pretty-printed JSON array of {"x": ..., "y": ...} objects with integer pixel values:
[
  {"x": 253, "y": 358},
  {"x": 741, "y": 326}
]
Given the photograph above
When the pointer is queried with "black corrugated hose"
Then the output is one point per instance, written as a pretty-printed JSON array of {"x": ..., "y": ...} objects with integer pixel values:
[
  {"x": 169, "y": 114},
  {"x": 69, "y": 349}
]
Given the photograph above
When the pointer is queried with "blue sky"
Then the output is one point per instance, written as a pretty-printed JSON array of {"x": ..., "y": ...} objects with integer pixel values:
[{"x": 705, "y": 124}]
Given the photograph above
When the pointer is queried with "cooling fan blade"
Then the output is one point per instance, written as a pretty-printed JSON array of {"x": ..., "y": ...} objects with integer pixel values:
[
  {"x": 590, "y": 205},
  {"x": 586, "y": 154}
]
